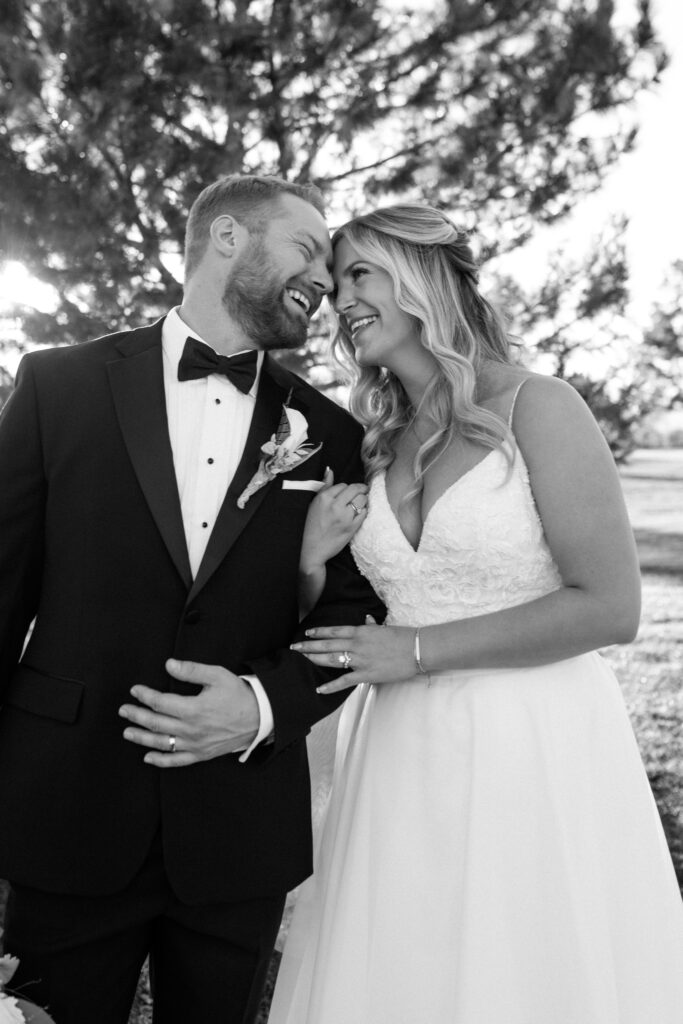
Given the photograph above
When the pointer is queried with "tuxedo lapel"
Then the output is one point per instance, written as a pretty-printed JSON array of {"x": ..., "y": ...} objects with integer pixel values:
[
  {"x": 273, "y": 391},
  {"x": 137, "y": 384}
]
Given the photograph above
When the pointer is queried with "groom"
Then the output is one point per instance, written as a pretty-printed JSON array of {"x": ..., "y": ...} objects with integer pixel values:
[{"x": 154, "y": 793}]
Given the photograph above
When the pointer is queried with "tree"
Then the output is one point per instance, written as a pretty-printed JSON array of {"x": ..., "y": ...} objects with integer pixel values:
[
  {"x": 576, "y": 326},
  {"x": 117, "y": 113},
  {"x": 5, "y": 385},
  {"x": 663, "y": 341}
]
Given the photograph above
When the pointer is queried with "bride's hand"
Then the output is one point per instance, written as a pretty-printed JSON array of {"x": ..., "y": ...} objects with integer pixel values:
[
  {"x": 373, "y": 654},
  {"x": 333, "y": 517}
]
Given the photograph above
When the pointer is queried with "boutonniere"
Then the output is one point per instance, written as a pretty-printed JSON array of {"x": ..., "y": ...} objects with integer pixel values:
[{"x": 286, "y": 450}]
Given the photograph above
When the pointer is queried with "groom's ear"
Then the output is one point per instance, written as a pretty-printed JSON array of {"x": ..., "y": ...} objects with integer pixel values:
[{"x": 227, "y": 235}]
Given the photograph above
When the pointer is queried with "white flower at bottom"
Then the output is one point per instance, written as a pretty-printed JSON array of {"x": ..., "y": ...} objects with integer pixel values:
[{"x": 10, "y": 1013}]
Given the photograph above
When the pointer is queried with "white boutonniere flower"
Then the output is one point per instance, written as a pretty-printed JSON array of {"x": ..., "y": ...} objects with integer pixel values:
[
  {"x": 10, "y": 1012},
  {"x": 287, "y": 449}
]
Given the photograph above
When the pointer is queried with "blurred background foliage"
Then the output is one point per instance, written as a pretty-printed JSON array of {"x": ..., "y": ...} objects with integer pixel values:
[{"x": 505, "y": 113}]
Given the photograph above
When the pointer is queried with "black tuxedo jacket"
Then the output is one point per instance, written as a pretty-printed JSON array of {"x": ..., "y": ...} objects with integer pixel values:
[{"x": 92, "y": 547}]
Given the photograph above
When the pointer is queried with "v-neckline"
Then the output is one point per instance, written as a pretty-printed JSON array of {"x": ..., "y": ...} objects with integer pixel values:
[{"x": 425, "y": 521}]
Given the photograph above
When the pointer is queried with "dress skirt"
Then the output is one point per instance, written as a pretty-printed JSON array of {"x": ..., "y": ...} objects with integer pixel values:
[{"x": 491, "y": 854}]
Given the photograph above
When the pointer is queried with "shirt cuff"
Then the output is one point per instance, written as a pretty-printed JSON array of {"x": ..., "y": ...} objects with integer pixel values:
[{"x": 267, "y": 724}]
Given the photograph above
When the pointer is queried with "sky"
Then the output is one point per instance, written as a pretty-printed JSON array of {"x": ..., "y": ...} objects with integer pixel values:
[{"x": 647, "y": 186}]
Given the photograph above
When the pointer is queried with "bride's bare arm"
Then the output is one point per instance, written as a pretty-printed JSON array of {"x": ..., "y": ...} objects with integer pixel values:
[
  {"x": 333, "y": 517},
  {"x": 578, "y": 495}
]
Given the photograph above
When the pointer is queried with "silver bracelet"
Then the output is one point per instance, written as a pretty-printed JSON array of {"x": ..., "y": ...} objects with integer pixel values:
[{"x": 417, "y": 654}]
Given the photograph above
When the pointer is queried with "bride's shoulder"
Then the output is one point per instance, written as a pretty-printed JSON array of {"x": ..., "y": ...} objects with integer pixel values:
[
  {"x": 549, "y": 420},
  {"x": 498, "y": 386},
  {"x": 508, "y": 390}
]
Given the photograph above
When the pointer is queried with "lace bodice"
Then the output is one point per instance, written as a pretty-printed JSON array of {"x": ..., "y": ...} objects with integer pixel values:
[{"x": 482, "y": 548}]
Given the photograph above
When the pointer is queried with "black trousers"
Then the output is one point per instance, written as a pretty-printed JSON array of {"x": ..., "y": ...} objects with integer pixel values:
[{"x": 81, "y": 956}]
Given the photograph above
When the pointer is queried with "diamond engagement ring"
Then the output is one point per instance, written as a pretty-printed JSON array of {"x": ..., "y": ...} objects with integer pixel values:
[
  {"x": 345, "y": 659},
  {"x": 171, "y": 744},
  {"x": 356, "y": 511}
]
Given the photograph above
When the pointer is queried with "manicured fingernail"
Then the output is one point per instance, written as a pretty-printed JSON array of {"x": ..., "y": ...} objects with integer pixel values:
[
  {"x": 324, "y": 689},
  {"x": 123, "y": 712},
  {"x": 310, "y": 632},
  {"x": 295, "y": 647},
  {"x": 134, "y": 691}
]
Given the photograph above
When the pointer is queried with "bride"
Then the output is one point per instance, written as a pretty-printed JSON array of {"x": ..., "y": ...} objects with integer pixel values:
[{"x": 491, "y": 852}]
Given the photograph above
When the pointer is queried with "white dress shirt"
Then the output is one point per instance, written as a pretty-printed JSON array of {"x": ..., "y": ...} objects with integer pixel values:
[{"x": 208, "y": 423}]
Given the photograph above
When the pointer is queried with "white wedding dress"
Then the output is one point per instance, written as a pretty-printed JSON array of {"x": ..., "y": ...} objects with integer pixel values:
[{"x": 491, "y": 851}]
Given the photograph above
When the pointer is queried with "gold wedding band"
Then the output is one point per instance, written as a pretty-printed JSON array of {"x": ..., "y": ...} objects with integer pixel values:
[
  {"x": 171, "y": 744},
  {"x": 356, "y": 511}
]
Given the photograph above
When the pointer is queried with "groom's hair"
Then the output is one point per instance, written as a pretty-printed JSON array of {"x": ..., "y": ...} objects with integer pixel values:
[{"x": 250, "y": 198}]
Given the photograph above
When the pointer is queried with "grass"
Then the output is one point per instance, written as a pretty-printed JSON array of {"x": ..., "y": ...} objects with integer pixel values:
[
  {"x": 650, "y": 670},
  {"x": 650, "y": 675}
]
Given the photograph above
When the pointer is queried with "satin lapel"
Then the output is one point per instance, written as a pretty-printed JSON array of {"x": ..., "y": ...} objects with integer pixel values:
[
  {"x": 231, "y": 520},
  {"x": 137, "y": 384}
]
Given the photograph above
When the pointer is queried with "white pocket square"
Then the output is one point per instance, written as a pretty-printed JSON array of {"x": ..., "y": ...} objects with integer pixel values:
[{"x": 302, "y": 485}]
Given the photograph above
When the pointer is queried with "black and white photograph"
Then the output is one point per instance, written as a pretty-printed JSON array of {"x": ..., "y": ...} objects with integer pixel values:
[{"x": 341, "y": 512}]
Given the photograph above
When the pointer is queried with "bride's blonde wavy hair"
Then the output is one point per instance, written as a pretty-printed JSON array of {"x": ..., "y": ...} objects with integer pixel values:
[{"x": 435, "y": 278}]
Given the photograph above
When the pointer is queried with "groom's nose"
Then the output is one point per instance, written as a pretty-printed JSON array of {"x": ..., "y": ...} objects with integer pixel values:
[{"x": 322, "y": 278}]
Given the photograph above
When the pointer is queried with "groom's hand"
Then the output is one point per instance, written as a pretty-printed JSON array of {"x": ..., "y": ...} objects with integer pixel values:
[{"x": 222, "y": 719}]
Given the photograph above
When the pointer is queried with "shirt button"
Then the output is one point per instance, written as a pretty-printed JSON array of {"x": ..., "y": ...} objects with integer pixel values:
[
  {"x": 205, "y": 525},
  {"x": 217, "y": 401},
  {"x": 210, "y": 461}
]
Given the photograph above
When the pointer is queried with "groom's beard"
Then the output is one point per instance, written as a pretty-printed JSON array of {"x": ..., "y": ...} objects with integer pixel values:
[{"x": 254, "y": 298}]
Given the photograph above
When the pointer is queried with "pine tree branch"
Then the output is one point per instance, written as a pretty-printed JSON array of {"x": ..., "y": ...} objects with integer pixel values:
[{"x": 406, "y": 151}]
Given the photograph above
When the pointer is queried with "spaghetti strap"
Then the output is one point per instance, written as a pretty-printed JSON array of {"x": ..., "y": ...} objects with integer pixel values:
[{"x": 514, "y": 400}]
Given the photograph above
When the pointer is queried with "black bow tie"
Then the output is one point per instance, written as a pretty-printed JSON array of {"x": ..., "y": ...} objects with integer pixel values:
[{"x": 198, "y": 360}]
